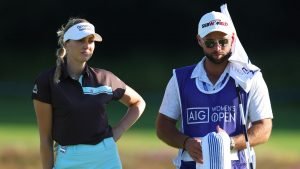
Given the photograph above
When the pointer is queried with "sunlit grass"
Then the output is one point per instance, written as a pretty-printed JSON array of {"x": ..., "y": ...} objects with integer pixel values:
[
  {"x": 19, "y": 146},
  {"x": 26, "y": 136},
  {"x": 281, "y": 141},
  {"x": 23, "y": 136},
  {"x": 283, "y": 145}
]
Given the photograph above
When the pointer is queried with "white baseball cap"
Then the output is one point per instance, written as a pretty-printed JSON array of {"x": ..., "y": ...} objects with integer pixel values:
[
  {"x": 212, "y": 22},
  {"x": 80, "y": 31}
]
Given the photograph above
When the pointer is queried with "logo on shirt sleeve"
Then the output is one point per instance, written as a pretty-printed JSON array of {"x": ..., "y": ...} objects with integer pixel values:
[{"x": 35, "y": 89}]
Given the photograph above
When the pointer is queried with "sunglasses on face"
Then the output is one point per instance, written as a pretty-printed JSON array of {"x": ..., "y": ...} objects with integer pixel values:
[{"x": 210, "y": 43}]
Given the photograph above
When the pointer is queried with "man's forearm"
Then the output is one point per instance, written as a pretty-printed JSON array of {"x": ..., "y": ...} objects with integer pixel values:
[
  {"x": 167, "y": 132},
  {"x": 258, "y": 133}
]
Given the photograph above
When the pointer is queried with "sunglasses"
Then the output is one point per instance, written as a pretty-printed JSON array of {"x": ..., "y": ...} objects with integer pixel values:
[{"x": 210, "y": 43}]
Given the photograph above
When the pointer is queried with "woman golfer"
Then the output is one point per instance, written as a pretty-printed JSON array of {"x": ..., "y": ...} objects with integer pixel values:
[{"x": 70, "y": 103}]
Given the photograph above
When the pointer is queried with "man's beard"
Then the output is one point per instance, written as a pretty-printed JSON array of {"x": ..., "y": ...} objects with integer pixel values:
[{"x": 218, "y": 61}]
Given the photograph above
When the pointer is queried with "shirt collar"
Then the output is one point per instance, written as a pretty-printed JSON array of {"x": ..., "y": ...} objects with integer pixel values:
[
  {"x": 199, "y": 70},
  {"x": 200, "y": 73},
  {"x": 65, "y": 73}
]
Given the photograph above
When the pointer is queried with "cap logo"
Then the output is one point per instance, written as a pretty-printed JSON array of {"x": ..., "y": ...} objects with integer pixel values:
[
  {"x": 80, "y": 31},
  {"x": 84, "y": 27},
  {"x": 214, "y": 22}
]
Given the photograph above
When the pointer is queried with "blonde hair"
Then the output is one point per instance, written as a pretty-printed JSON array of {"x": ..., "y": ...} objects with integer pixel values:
[{"x": 61, "y": 51}]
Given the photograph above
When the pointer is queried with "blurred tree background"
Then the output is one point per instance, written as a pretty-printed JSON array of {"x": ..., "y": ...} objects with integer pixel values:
[{"x": 142, "y": 42}]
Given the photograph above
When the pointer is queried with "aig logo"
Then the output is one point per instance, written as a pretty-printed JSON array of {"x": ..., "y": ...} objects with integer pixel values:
[
  {"x": 220, "y": 113},
  {"x": 197, "y": 115}
]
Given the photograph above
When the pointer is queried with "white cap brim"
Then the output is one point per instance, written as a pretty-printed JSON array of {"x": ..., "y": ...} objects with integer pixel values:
[
  {"x": 204, "y": 33},
  {"x": 81, "y": 30}
]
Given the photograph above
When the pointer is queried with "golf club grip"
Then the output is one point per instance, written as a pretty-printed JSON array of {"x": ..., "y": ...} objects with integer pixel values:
[{"x": 251, "y": 165}]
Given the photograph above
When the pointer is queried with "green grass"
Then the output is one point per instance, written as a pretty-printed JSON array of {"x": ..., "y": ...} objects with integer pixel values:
[
  {"x": 19, "y": 136},
  {"x": 141, "y": 140},
  {"x": 27, "y": 136},
  {"x": 20, "y": 144},
  {"x": 286, "y": 140},
  {"x": 19, "y": 110},
  {"x": 282, "y": 144},
  {"x": 281, "y": 141}
]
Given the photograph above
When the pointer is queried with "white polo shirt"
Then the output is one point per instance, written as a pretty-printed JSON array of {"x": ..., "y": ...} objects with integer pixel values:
[{"x": 259, "y": 105}]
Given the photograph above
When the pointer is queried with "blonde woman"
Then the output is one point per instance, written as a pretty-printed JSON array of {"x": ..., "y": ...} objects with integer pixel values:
[{"x": 70, "y": 103}]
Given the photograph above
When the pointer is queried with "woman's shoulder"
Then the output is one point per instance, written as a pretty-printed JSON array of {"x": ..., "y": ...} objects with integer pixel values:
[
  {"x": 106, "y": 77},
  {"x": 99, "y": 70},
  {"x": 102, "y": 72}
]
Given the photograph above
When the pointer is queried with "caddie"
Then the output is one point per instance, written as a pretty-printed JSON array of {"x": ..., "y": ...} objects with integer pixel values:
[{"x": 204, "y": 96}]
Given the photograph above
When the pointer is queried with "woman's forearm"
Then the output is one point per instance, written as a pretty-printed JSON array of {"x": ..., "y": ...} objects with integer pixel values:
[
  {"x": 47, "y": 156},
  {"x": 133, "y": 114}
]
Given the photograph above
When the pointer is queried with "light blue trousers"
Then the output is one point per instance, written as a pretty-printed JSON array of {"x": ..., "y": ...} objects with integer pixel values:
[{"x": 103, "y": 155}]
